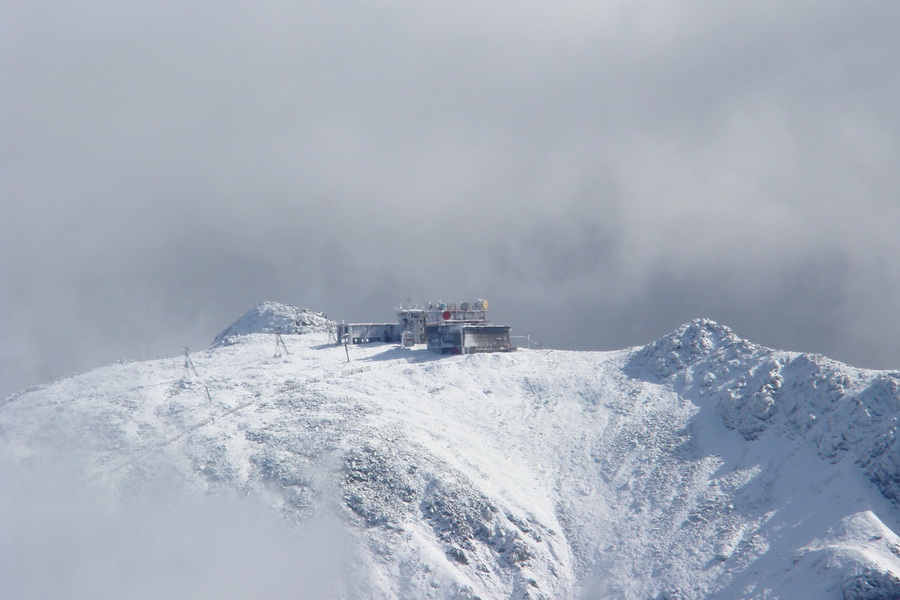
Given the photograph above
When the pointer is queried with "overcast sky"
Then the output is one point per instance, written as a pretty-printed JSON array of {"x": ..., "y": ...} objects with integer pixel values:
[{"x": 601, "y": 172}]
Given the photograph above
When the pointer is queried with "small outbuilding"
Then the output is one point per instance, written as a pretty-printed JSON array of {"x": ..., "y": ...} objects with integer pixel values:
[{"x": 364, "y": 333}]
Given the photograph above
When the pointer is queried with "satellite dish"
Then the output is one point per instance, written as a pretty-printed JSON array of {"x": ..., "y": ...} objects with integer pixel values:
[
  {"x": 484, "y": 304},
  {"x": 446, "y": 314}
]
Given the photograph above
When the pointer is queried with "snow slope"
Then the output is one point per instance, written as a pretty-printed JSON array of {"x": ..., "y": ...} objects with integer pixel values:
[{"x": 698, "y": 466}]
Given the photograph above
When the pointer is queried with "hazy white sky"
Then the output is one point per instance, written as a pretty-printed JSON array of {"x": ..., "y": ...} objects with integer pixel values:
[{"x": 600, "y": 172}]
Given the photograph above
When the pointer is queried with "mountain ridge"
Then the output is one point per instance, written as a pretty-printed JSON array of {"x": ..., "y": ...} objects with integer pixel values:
[{"x": 686, "y": 468}]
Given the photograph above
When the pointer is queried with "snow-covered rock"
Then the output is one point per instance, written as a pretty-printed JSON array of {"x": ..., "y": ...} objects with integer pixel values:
[
  {"x": 273, "y": 317},
  {"x": 843, "y": 412},
  {"x": 698, "y": 466}
]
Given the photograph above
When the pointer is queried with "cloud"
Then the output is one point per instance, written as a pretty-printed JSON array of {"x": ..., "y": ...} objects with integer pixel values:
[
  {"x": 168, "y": 165},
  {"x": 64, "y": 537}
]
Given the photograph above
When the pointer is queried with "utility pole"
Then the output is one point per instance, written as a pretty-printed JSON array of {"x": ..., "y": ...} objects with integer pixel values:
[
  {"x": 188, "y": 365},
  {"x": 279, "y": 343}
]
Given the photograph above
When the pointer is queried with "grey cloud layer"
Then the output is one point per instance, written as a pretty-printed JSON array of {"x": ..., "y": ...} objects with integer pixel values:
[{"x": 602, "y": 174}]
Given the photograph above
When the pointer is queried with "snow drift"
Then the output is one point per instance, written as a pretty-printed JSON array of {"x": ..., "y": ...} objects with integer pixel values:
[{"x": 698, "y": 466}]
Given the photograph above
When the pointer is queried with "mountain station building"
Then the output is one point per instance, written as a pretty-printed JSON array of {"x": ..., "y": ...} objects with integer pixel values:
[{"x": 461, "y": 328}]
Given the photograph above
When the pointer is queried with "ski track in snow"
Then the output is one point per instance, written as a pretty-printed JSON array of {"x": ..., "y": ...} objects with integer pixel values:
[{"x": 698, "y": 466}]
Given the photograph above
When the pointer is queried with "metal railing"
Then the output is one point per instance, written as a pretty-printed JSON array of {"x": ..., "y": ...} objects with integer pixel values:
[{"x": 530, "y": 342}]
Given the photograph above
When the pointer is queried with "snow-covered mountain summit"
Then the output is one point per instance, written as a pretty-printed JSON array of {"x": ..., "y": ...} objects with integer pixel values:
[
  {"x": 698, "y": 466},
  {"x": 842, "y": 412},
  {"x": 272, "y": 317}
]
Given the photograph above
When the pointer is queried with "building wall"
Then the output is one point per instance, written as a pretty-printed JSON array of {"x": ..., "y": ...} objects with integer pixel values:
[
  {"x": 467, "y": 338},
  {"x": 363, "y": 333},
  {"x": 445, "y": 339},
  {"x": 488, "y": 338},
  {"x": 413, "y": 320}
]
